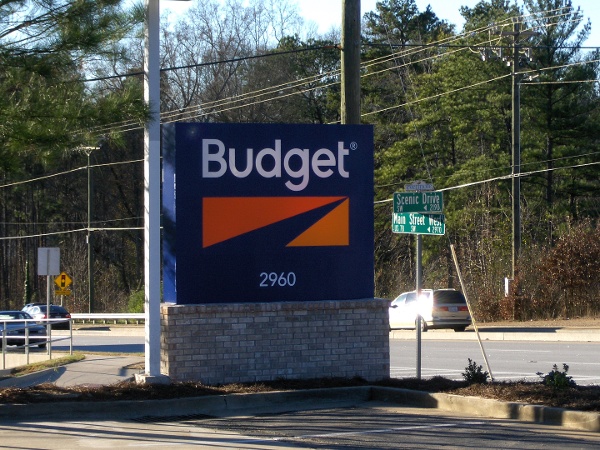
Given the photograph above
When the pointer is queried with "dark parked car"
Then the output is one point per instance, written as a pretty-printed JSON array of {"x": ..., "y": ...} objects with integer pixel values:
[
  {"x": 38, "y": 312},
  {"x": 15, "y": 323}
]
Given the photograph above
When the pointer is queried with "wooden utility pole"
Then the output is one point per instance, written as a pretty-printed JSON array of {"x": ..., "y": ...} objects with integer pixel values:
[
  {"x": 516, "y": 35},
  {"x": 516, "y": 152},
  {"x": 350, "y": 62}
]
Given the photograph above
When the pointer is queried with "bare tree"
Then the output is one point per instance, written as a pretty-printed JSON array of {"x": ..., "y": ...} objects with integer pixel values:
[{"x": 212, "y": 49}]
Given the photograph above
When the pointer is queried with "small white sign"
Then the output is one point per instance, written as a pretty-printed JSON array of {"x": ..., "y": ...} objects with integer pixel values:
[
  {"x": 418, "y": 186},
  {"x": 48, "y": 261}
]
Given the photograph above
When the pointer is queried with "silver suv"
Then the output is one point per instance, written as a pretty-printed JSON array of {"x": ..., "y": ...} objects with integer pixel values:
[{"x": 438, "y": 308}]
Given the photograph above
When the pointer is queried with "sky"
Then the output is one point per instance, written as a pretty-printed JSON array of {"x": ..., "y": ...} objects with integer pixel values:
[{"x": 328, "y": 13}]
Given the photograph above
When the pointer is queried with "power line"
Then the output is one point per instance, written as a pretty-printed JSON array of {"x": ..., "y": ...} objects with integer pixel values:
[
  {"x": 238, "y": 99},
  {"x": 66, "y": 172},
  {"x": 80, "y": 230},
  {"x": 379, "y": 202},
  {"x": 503, "y": 177},
  {"x": 212, "y": 63}
]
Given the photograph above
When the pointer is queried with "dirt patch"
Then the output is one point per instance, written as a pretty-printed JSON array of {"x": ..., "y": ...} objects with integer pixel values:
[{"x": 583, "y": 398}]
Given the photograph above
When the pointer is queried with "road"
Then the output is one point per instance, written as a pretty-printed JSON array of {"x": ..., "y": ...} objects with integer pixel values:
[
  {"x": 508, "y": 360},
  {"x": 102, "y": 342},
  {"x": 365, "y": 425},
  {"x": 512, "y": 360}
]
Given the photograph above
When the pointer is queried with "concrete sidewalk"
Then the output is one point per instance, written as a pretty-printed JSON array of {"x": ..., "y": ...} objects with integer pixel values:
[
  {"x": 516, "y": 333},
  {"x": 93, "y": 370}
]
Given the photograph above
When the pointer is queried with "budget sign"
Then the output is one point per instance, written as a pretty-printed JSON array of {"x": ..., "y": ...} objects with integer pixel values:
[{"x": 267, "y": 212}]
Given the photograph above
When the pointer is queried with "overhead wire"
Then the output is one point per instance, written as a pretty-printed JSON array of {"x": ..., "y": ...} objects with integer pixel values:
[
  {"x": 172, "y": 116},
  {"x": 503, "y": 177},
  {"x": 131, "y": 125},
  {"x": 294, "y": 84}
]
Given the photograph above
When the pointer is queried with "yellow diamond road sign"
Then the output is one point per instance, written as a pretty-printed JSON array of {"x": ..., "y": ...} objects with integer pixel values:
[{"x": 63, "y": 280}]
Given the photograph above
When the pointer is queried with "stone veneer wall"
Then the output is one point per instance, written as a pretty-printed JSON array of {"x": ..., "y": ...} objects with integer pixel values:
[{"x": 241, "y": 342}]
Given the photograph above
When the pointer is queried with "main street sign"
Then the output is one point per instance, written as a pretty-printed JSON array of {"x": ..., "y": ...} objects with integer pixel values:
[
  {"x": 419, "y": 202},
  {"x": 415, "y": 223}
]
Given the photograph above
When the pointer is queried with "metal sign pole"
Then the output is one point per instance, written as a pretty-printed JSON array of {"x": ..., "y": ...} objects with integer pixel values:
[
  {"x": 419, "y": 287},
  {"x": 412, "y": 214},
  {"x": 48, "y": 293}
]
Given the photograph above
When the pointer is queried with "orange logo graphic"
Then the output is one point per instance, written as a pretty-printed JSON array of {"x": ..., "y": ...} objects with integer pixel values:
[{"x": 225, "y": 218}]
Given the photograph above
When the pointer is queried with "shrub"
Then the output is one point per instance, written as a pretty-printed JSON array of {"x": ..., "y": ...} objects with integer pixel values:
[
  {"x": 136, "y": 302},
  {"x": 557, "y": 379},
  {"x": 475, "y": 374}
]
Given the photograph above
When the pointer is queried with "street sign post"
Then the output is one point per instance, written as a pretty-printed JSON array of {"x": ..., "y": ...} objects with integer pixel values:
[
  {"x": 412, "y": 215},
  {"x": 416, "y": 223},
  {"x": 419, "y": 202}
]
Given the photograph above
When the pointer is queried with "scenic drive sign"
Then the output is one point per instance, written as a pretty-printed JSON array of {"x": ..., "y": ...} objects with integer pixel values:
[
  {"x": 267, "y": 212},
  {"x": 421, "y": 202}
]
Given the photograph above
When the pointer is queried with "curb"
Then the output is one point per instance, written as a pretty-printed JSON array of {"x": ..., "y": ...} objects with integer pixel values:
[
  {"x": 496, "y": 409},
  {"x": 274, "y": 402},
  {"x": 503, "y": 334},
  {"x": 214, "y": 405}
]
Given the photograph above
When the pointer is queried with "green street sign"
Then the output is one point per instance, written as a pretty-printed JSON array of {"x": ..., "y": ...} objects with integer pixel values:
[
  {"x": 415, "y": 223},
  {"x": 419, "y": 202}
]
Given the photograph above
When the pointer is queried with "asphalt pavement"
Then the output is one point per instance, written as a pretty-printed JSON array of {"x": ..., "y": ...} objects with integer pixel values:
[{"x": 97, "y": 369}]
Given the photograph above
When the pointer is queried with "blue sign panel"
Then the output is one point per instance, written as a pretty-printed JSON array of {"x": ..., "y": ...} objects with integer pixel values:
[{"x": 267, "y": 212}]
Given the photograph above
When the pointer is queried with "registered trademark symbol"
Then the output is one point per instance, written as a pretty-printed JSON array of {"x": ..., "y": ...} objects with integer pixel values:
[{"x": 353, "y": 146}]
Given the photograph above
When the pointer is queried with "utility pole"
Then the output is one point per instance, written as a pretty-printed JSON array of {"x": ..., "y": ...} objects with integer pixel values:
[
  {"x": 90, "y": 236},
  {"x": 516, "y": 152},
  {"x": 350, "y": 62},
  {"x": 90, "y": 245},
  {"x": 516, "y": 34}
]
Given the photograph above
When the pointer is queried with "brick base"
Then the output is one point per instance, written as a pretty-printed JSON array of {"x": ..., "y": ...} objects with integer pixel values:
[{"x": 245, "y": 342}]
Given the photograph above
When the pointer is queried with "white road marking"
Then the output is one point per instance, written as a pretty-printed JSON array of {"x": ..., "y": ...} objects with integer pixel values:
[{"x": 385, "y": 430}]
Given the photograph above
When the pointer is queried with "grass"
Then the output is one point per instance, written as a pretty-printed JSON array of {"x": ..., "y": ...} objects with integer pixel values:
[{"x": 42, "y": 365}]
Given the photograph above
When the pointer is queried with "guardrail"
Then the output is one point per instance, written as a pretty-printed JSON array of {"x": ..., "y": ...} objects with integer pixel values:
[
  {"x": 115, "y": 318},
  {"x": 44, "y": 341}
]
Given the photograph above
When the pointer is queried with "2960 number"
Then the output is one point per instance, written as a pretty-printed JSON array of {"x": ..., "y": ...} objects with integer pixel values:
[{"x": 271, "y": 279}]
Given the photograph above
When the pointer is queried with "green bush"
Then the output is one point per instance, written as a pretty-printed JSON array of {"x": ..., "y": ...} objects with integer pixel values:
[
  {"x": 557, "y": 379},
  {"x": 135, "y": 303},
  {"x": 475, "y": 374}
]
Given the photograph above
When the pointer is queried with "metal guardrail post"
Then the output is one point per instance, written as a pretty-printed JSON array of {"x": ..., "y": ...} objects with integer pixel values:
[
  {"x": 49, "y": 329},
  {"x": 27, "y": 341},
  {"x": 4, "y": 346}
]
